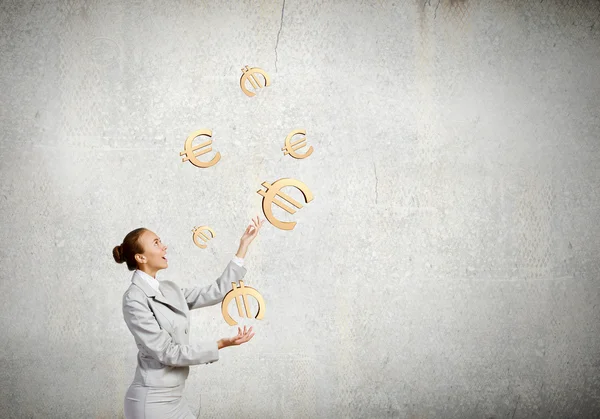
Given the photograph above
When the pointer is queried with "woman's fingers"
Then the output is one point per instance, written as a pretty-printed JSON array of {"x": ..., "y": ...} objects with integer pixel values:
[
  {"x": 243, "y": 336},
  {"x": 244, "y": 339},
  {"x": 252, "y": 230},
  {"x": 249, "y": 334},
  {"x": 240, "y": 332}
]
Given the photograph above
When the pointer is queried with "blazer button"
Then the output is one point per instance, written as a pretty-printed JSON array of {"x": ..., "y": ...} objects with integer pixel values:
[{"x": 185, "y": 330}]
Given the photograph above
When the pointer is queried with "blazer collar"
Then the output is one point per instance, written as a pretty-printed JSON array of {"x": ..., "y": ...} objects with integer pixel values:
[{"x": 150, "y": 292}]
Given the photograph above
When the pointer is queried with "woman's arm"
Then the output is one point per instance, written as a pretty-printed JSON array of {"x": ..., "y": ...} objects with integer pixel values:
[
  {"x": 158, "y": 342},
  {"x": 208, "y": 295}
]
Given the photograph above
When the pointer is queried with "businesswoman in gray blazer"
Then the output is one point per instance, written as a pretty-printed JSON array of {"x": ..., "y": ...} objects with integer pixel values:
[{"x": 157, "y": 314}]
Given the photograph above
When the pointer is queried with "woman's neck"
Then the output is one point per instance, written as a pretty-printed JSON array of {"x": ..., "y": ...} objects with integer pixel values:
[{"x": 152, "y": 273}]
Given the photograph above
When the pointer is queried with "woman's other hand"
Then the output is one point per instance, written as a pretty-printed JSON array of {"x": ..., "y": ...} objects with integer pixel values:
[{"x": 242, "y": 337}]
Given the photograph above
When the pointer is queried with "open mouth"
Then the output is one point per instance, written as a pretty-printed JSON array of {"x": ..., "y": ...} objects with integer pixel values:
[{"x": 165, "y": 258}]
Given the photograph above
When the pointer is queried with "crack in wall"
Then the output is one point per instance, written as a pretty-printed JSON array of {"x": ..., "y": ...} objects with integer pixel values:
[
  {"x": 376, "y": 183},
  {"x": 279, "y": 32}
]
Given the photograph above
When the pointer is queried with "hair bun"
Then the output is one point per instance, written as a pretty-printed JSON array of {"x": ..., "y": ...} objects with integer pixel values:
[{"x": 118, "y": 254}]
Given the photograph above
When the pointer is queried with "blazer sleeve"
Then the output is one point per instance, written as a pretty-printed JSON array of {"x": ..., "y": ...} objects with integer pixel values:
[
  {"x": 211, "y": 294},
  {"x": 158, "y": 342}
]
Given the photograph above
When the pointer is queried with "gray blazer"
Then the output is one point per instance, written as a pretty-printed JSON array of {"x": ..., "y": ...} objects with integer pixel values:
[{"x": 160, "y": 326}]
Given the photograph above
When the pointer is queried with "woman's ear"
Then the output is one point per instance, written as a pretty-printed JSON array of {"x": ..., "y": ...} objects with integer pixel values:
[{"x": 140, "y": 258}]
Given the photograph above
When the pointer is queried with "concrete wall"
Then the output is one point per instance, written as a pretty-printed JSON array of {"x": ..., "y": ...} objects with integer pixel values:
[{"x": 447, "y": 267}]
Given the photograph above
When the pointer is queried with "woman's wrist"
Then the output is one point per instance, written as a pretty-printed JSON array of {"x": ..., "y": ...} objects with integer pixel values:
[
  {"x": 220, "y": 344},
  {"x": 241, "y": 252}
]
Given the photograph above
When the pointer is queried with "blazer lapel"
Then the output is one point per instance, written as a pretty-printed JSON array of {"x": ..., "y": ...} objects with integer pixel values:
[{"x": 150, "y": 292}]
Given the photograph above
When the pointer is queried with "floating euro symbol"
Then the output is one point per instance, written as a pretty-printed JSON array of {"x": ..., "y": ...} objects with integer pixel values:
[
  {"x": 290, "y": 148},
  {"x": 273, "y": 191},
  {"x": 191, "y": 154},
  {"x": 198, "y": 233},
  {"x": 248, "y": 74},
  {"x": 235, "y": 293}
]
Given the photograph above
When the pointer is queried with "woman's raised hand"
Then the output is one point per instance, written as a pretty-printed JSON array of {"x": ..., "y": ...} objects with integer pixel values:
[
  {"x": 251, "y": 231},
  {"x": 241, "y": 337}
]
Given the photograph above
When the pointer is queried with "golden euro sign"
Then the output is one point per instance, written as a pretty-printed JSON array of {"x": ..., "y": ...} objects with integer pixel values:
[
  {"x": 235, "y": 293},
  {"x": 290, "y": 148},
  {"x": 269, "y": 197},
  {"x": 248, "y": 74},
  {"x": 198, "y": 234},
  {"x": 191, "y": 154}
]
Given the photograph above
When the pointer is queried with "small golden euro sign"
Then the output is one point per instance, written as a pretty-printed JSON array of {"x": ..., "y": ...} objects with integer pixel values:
[
  {"x": 291, "y": 147},
  {"x": 273, "y": 191},
  {"x": 243, "y": 291},
  {"x": 249, "y": 74},
  {"x": 190, "y": 151},
  {"x": 198, "y": 233}
]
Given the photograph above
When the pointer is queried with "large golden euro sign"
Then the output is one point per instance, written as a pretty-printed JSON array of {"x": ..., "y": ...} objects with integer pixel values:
[
  {"x": 290, "y": 148},
  {"x": 235, "y": 293},
  {"x": 190, "y": 151},
  {"x": 248, "y": 74},
  {"x": 198, "y": 233},
  {"x": 273, "y": 191}
]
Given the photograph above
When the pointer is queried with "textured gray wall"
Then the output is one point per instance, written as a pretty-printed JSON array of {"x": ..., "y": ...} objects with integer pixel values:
[{"x": 448, "y": 266}]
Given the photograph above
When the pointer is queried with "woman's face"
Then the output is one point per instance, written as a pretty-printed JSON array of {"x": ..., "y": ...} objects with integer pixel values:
[{"x": 154, "y": 252}]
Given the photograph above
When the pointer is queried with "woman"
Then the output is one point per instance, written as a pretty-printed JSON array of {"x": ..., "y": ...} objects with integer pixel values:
[{"x": 157, "y": 314}]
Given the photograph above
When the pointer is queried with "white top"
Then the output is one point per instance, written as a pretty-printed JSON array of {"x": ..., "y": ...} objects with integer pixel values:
[{"x": 154, "y": 282}]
